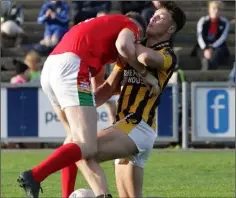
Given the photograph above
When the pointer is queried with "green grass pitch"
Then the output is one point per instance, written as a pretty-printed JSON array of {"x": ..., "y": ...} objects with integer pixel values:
[{"x": 167, "y": 174}]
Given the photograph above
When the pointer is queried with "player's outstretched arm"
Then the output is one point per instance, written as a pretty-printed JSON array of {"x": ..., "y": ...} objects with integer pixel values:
[
  {"x": 126, "y": 47},
  {"x": 105, "y": 91},
  {"x": 98, "y": 80},
  {"x": 150, "y": 57}
]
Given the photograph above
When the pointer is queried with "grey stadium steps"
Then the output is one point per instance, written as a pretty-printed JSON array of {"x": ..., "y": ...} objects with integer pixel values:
[
  {"x": 184, "y": 4},
  {"x": 32, "y": 14},
  {"x": 199, "y": 3},
  {"x": 190, "y": 27},
  {"x": 7, "y": 75},
  {"x": 192, "y": 63},
  {"x": 216, "y": 75},
  {"x": 182, "y": 37},
  {"x": 7, "y": 61},
  {"x": 190, "y": 76},
  {"x": 190, "y": 38},
  {"x": 187, "y": 62},
  {"x": 13, "y": 52},
  {"x": 26, "y": 4}
]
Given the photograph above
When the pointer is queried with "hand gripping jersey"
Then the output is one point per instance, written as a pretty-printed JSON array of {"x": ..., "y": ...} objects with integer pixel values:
[
  {"x": 134, "y": 97},
  {"x": 94, "y": 40}
]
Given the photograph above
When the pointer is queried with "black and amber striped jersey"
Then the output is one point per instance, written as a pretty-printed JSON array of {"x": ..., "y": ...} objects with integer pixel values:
[{"x": 134, "y": 97}]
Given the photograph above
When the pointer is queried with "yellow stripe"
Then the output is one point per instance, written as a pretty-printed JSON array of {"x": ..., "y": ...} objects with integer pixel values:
[
  {"x": 126, "y": 97},
  {"x": 121, "y": 116},
  {"x": 125, "y": 127},
  {"x": 154, "y": 126},
  {"x": 148, "y": 108},
  {"x": 139, "y": 97}
]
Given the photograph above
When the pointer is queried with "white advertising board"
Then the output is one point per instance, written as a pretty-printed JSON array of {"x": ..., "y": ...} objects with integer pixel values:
[
  {"x": 49, "y": 125},
  {"x": 3, "y": 113},
  {"x": 213, "y": 112}
]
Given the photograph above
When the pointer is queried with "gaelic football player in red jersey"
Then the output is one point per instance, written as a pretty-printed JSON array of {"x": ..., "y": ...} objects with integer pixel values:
[
  {"x": 130, "y": 140},
  {"x": 66, "y": 80}
]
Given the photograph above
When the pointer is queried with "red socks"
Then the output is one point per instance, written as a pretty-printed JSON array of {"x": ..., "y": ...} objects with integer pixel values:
[
  {"x": 68, "y": 178},
  {"x": 62, "y": 157}
]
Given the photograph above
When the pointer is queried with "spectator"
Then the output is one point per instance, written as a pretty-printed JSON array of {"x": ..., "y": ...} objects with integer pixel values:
[
  {"x": 11, "y": 30},
  {"x": 33, "y": 61},
  {"x": 20, "y": 69},
  {"x": 55, "y": 16},
  {"x": 83, "y": 10},
  {"x": 212, "y": 33}
]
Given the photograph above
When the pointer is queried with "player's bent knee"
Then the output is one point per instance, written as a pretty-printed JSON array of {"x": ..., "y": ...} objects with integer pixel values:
[
  {"x": 89, "y": 150},
  {"x": 68, "y": 139}
]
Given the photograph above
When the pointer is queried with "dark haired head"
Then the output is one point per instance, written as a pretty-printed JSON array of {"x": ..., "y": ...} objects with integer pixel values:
[
  {"x": 177, "y": 14},
  {"x": 137, "y": 17},
  {"x": 20, "y": 67}
]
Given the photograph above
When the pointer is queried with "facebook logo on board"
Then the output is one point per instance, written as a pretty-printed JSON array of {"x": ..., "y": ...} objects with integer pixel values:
[{"x": 217, "y": 111}]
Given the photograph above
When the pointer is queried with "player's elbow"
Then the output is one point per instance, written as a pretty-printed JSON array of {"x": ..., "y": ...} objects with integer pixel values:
[
  {"x": 125, "y": 49},
  {"x": 150, "y": 60},
  {"x": 144, "y": 58}
]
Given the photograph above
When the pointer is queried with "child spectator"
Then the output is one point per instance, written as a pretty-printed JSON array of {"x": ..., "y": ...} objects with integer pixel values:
[
  {"x": 33, "y": 61},
  {"x": 20, "y": 69}
]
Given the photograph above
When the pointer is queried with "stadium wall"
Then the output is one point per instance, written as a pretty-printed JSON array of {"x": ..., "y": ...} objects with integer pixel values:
[{"x": 27, "y": 116}]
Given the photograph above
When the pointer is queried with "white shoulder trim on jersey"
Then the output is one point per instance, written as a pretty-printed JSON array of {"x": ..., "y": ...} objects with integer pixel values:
[
  {"x": 224, "y": 35},
  {"x": 200, "y": 23}
]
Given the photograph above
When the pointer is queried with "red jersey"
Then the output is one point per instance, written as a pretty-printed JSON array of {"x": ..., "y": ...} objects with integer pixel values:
[{"x": 94, "y": 40}]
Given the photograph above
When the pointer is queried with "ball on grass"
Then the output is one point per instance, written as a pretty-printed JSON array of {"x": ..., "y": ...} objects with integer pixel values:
[{"x": 82, "y": 193}]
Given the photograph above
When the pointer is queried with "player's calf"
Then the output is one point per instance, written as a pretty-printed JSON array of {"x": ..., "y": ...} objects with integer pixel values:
[{"x": 83, "y": 129}]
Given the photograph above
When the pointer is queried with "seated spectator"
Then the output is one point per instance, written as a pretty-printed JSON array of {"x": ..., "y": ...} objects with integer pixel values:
[
  {"x": 55, "y": 16},
  {"x": 212, "y": 33},
  {"x": 83, "y": 10},
  {"x": 33, "y": 61},
  {"x": 11, "y": 22},
  {"x": 20, "y": 69}
]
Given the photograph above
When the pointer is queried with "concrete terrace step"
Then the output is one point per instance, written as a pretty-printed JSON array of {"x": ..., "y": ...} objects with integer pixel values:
[
  {"x": 205, "y": 9},
  {"x": 213, "y": 75},
  {"x": 182, "y": 37},
  {"x": 200, "y": 3},
  {"x": 7, "y": 75},
  {"x": 190, "y": 38},
  {"x": 190, "y": 27},
  {"x": 13, "y": 52},
  {"x": 192, "y": 63},
  {"x": 190, "y": 76},
  {"x": 185, "y": 51},
  {"x": 32, "y": 14},
  {"x": 7, "y": 61},
  {"x": 26, "y": 4}
]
